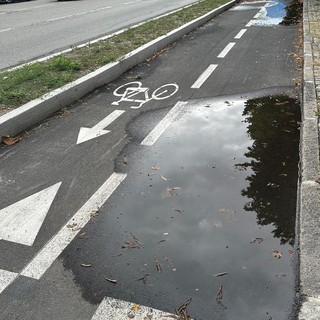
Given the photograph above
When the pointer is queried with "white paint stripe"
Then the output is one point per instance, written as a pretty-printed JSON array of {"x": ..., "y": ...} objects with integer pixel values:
[
  {"x": 130, "y": 2},
  {"x": 77, "y": 14},
  {"x": 6, "y": 277},
  {"x": 115, "y": 309},
  {"x": 249, "y": 23},
  {"x": 226, "y": 50},
  {"x": 257, "y": 15},
  {"x": 204, "y": 76},
  {"x": 155, "y": 134},
  {"x": 21, "y": 221},
  {"x": 50, "y": 252},
  {"x": 4, "y": 30},
  {"x": 240, "y": 34}
]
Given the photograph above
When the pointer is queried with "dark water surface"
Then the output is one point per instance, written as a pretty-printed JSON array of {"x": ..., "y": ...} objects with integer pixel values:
[{"x": 216, "y": 195}]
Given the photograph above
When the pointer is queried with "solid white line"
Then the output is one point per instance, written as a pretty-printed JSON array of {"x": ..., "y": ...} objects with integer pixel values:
[
  {"x": 204, "y": 76},
  {"x": 249, "y": 23},
  {"x": 155, "y": 134},
  {"x": 6, "y": 277},
  {"x": 240, "y": 34},
  {"x": 226, "y": 50},
  {"x": 50, "y": 252},
  {"x": 115, "y": 309},
  {"x": 257, "y": 15}
]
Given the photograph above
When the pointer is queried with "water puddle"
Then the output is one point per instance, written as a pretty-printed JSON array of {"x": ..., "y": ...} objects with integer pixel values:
[
  {"x": 207, "y": 213},
  {"x": 284, "y": 12}
]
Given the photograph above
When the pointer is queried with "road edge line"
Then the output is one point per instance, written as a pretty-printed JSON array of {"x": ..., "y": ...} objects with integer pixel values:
[{"x": 37, "y": 110}]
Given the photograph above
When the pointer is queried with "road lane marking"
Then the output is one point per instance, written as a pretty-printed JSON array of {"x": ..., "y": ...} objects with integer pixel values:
[
  {"x": 240, "y": 34},
  {"x": 86, "y": 134},
  {"x": 226, "y": 50},
  {"x": 51, "y": 251},
  {"x": 204, "y": 76},
  {"x": 111, "y": 308},
  {"x": 78, "y": 14},
  {"x": 4, "y": 30},
  {"x": 161, "y": 127},
  {"x": 6, "y": 277},
  {"x": 257, "y": 15},
  {"x": 249, "y": 23},
  {"x": 21, "y": 221}
]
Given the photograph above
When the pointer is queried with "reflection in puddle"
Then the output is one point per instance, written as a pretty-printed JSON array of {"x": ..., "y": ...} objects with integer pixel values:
[
  {"x": 206, "y": 213},
  {"x": 284, "y": 12},
  {"x": 274, "y": 128}
]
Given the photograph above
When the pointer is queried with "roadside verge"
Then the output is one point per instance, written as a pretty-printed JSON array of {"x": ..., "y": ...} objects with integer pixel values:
[
  {"x": 39, "y": 109},
  {"x": 309, "y": 187}
]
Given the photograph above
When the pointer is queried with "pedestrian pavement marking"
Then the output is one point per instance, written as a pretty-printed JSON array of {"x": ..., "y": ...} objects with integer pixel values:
[
  {"x": 114, "y": 309},
  {"x": 21, "y": 221},
  {"x": 6, "y": 277},
  {"x": 226, "y": 50},
  {"x": 240, "y": 34},
  {"x": 162, "y": 126},
  {"x": 50, "y": 252},
  {"x": 204, "y": 76}
]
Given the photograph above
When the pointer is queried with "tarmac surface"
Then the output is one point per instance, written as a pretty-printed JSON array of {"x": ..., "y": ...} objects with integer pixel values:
[{"x": 309, "y": 189}]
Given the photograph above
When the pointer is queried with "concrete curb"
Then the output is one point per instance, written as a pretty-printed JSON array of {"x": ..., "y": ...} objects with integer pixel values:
[
  {"x": 39, "y": 109},
  {"x": 309, "y": 190}
]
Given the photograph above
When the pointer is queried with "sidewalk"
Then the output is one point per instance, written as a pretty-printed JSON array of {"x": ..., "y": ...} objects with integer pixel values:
[{"x": 309, "y": 197}]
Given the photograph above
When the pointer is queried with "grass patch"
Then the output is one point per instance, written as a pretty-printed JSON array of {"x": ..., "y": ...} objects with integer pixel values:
[{"x": 32, "y": 81}]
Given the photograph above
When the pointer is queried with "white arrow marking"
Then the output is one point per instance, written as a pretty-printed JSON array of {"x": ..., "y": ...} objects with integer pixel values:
[
  {"x": 6, "y": 277},
  {"x": 21, "y": 221},
  {"x": 43, "y": 260},
  {"x": 111, "y": 309},
  {"x": 86, "y": 134}
]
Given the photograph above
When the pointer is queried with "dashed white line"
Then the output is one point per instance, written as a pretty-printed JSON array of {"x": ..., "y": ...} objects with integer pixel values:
[
  {"x": 130, "y": 2},
  {"x": 50, "y": 252},
  {"x": 249, "y": 23},
  {"x": 78, "y": 14},
  {"x": 155, "y": 134},
  {"x": 257, "y": 15},
  {"x": 240, "y": 34},
  {"x": 226, "y": 50},
  {"x": 204, "y": 76},
  {"x": 6, "y": 277}
]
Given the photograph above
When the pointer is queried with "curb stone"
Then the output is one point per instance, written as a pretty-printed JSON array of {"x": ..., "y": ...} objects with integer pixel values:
[
  {"x": 309, "y": 189},
  {"x": 40, "y": 109}
]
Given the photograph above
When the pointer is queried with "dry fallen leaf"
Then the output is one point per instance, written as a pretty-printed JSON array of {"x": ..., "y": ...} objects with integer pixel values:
[
  {"x": 221, "y": 274},
  {"x": 9, "y": 141},
  {"x": 111, "y": 280},
  {"x": 155, "y": 167},
  {"x": 158, "y": 265},
  {"x": 85, "y": 265},
  {"x": 256, "y": 240},
  {"x": 125, "y": 160},
  {"x": 135, "y": 307},
  {"x": 277, "y": 254}
]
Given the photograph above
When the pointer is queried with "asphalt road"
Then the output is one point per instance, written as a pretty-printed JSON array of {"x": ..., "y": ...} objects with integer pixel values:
[
  {"x": 77, "y": 212},
  {"x": 34, "y": 29}
]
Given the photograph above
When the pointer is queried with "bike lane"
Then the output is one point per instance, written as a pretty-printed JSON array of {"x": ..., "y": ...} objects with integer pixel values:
[{"x": 53, "y": 154}]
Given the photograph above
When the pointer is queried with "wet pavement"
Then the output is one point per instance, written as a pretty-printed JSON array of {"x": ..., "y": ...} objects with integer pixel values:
[{"x": 213, "y": 204}]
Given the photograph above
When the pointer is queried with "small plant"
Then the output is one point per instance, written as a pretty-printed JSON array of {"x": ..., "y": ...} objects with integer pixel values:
[{"x": 63, "y": 63}]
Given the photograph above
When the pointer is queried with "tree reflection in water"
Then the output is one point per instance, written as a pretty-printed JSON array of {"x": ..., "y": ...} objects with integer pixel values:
[{"x": 273, "y": 125}]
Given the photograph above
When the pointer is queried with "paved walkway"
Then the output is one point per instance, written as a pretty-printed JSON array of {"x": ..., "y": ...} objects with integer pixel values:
[{"x": 309, "y": 198}]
